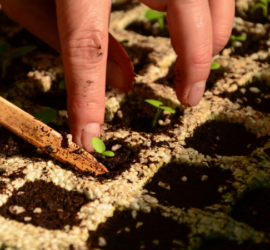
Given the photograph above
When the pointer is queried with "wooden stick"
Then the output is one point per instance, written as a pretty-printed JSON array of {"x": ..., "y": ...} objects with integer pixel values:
[{"x": 42, "y": 136}]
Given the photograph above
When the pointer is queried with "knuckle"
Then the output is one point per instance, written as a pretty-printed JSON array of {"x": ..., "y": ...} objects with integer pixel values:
[
  {"x": 87, "y": 47},
  {"x": 222, "y": 39},
  {"x": 201, "y": 58}
]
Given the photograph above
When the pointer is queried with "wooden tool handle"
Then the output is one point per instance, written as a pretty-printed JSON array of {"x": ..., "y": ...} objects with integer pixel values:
[{"x": 42, "y": 136}]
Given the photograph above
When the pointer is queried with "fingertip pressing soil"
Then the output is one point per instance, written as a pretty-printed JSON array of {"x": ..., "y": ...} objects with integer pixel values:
[
  {"x": 254, "y": 209},
  {"x": 189, "y": 186},
  {"x": 246, "y": 96},
  {"x": 59, "y": 207},
  {"x": 222, "y": 138},
  {"x": 146, "y": 231},
  {"x": 225, "y": 244}
]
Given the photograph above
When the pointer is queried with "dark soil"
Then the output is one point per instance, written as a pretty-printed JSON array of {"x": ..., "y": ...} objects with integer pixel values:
[
  {"x": 59, "y": 206},
  {"x": 223, "y": 138},
  {"x": 249, "y": 46},
  {"x": 225, "y": 244},
  {"x": 193, "y": 192},
  {"x": 55, "y": 98},
  {"x": 258, "y": 101},
  {"x": 121, "y": 161},
  {"x": 138, "y": 56},
  {"x": 121, "y": 233},
  {"x": 139, "y": 117},
  {"x": 254, "y": 209},
  {"x": 10, "y": 144},
  {"x": 215, "y": 75},
  {"x": 125, "y": 6},
  {"x": 256, "y": 17},
  {"x": 146, "y": 29}
]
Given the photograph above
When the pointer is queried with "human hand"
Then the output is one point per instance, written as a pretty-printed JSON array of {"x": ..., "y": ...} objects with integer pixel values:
[
  {"x": 199, "y": 29},
  {"x": 79, "y": 30}
]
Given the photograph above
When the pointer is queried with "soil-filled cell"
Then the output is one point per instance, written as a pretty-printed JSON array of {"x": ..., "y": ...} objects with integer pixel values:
[
  {"x": 222, "y": 138},
  {"x": 139, "y": 117},
  {"x": 187, "y": 186},
  {"x": 254, "y": 209},
  {"x": 225, "y": 244},
  {"x": 255, "y": 95},
  {"x": 44, "y": 204},
  {"x": 138, "y": 230}
]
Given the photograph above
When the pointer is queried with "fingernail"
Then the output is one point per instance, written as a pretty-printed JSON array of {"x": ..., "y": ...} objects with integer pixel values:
[
  {"x": 90, "y": 130},
  {"x": 196, "y": 93},
  {"x": 114, "y": 76}
]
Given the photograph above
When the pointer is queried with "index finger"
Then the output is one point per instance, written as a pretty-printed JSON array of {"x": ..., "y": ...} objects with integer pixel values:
[
  {"x": 191, "y": 35},
  {"x": 83, "y": 32}
]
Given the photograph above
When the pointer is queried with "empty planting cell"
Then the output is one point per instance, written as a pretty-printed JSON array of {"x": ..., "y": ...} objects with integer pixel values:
[
  {"x": 44, "y": 204},
  {"x": 222, "y": 138},
  {"x": 138, "y": 230},
  {"x": 255, "y": 95},
  {"x": 254, "y": 209},
  {"x": 182, "y": 185}
]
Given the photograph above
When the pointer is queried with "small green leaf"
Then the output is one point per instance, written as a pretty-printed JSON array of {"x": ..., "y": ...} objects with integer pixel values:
[
  {"x": 108, "y": 153},
  {"x": 62, "y": 84},
  {"x": 47, "y": 115},
  {"x": 240, "y": 38},
  {"x": 167, "y": 109},
  {"x": 153, "y": 15},
  {"x": 260, "y": 5},
  {"x": 4, "y": 48},
  {"x": 215, "y": 65},
  {"x": 98, "y": 145},
  {"x": 124, "y": 41},
  {"x": 161, "y": 23},
  {"x": 155, "y": 103},
  {"x": 232, "y": 38},
  {"x": 22, "y": 50}
]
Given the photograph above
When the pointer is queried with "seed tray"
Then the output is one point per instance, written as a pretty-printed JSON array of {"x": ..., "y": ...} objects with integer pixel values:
[{"x": 199, "y": 180}]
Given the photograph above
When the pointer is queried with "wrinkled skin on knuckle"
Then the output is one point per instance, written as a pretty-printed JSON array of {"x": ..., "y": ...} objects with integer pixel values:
[
  {"x": 201, "y": 58},
  {"x": 88, "y": 47}
]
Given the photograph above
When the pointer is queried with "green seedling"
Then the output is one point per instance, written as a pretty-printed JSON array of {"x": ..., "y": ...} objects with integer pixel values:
[
  {"x": 263, "y": 4},
  {"x": 6, "y": 56},
  {"x": 99, "y": 146},
  {"x": 46, "y": 115},
  {"x": 233, "y": 39},
  {"x": 215, "y": 65},
  {"x": 158, "y": 104},
  {"x": 62, "y": 84},
  {"x": 152, "y": 15}
]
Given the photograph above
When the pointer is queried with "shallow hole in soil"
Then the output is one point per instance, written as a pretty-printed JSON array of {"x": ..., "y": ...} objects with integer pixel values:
[
  {"x": 59, "y": 207},
  {"x": 150, "y": 28},
  {"x": 139, "y": 117},
  {"x": 223, "y": 138},
  {"x": 225, "y": 244},
  {"x": 146, "y": 231},
  {"x": 125, "y": 5},
  {"x": 214, "y": 76},
  {"x": 255, "y": 95},
  {"x": 254, "y": 209},
  {"x": 187, "y": 186},
  {"x": 138, "y": 56}
]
